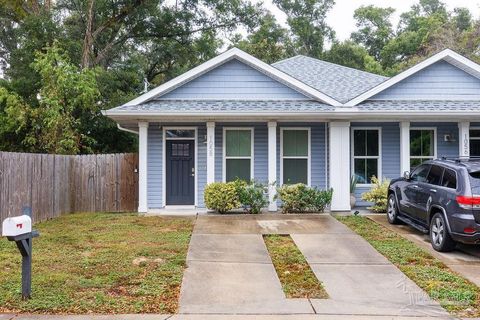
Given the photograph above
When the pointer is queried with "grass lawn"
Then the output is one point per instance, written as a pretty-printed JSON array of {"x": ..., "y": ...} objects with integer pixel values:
[
  {"x": 100, "y": 263},
  {"x": 296, "y": 277},
  {"x": 456, "y": 294}
]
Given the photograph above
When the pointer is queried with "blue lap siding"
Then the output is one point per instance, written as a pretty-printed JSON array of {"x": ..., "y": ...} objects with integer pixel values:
[{"x": 390, "y": 157}]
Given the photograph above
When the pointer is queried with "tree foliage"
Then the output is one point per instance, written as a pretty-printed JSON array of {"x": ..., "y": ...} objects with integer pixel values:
[{"x": 63, "y": 61}]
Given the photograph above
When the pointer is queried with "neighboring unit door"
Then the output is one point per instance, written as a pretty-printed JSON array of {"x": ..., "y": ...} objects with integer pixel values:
[{"x": 180, "y": 172}]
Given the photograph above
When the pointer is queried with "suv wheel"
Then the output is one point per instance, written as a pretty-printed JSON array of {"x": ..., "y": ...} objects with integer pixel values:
[
  {"x": 392, "y": 210},
  {"x": 439, "y": 236}
]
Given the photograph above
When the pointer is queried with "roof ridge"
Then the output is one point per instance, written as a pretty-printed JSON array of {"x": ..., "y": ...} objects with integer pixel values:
[{"x": 331, "y": 63}]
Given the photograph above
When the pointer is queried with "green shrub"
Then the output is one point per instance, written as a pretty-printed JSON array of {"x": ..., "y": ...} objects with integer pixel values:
[
  {"x": 299, "y": 198},
  {"x": 378, "y": 195},
  {"x": 252, "y": 196},
  {"x": 221, "y": 196}
]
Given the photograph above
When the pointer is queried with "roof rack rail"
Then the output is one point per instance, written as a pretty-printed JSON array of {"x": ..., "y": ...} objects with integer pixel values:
[{"x": 462, "y": 158}]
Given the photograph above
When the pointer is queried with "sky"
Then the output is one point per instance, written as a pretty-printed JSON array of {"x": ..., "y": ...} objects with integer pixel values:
[{"x": 340, "y": 18}]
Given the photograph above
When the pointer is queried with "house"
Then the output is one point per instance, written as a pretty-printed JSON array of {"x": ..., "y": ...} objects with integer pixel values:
[{"x": 297, "y": 120}]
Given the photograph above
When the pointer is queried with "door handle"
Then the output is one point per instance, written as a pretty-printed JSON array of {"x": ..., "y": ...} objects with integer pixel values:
[{"x": 433, "y": 190}]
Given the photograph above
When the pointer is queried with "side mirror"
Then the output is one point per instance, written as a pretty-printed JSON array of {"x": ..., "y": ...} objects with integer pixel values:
[{"x": 406, "y": 175}]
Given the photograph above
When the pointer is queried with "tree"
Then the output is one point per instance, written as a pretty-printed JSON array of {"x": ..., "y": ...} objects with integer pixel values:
[
  {"x": 66, "y": 94},
  {"x": 375, "y": 28},
  {"x": 350, "y": 54},
  {"x": 307, "y": 22},
  {"x": 462, "y": 18},
  {"x": 270, "y": 42}
]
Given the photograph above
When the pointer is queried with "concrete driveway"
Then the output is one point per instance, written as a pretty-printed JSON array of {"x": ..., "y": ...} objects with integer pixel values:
[
  {"x": 465, "y": 260},
  {"x": 230, "y": 271}
]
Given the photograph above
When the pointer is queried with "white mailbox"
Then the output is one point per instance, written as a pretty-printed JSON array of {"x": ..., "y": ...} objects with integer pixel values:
[{"x": 15, "y": 226}]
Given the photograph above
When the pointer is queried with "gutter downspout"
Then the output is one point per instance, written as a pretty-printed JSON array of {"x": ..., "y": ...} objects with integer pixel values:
[{"x": 125, "y": 129}]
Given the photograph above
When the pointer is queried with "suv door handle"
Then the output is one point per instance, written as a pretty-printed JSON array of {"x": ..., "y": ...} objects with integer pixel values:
[{"x": 433, "y": 190}]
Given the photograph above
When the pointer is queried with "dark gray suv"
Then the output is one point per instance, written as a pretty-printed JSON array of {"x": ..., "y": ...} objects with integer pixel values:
[{"x": 442, "y": 198}]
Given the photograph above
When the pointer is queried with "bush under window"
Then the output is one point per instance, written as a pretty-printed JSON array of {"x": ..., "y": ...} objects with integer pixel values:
[
  {"x": 378, "y": 195},
  {"x": 221, "y": 197},
  {"x": 299, "y": 198}
]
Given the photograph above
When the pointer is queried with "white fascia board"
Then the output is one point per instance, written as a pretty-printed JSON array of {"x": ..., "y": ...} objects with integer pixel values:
[
  {"x": 343, "y": 114},
  {"x": 224, "y": 57},
  {"x": 447, "y": 55}
]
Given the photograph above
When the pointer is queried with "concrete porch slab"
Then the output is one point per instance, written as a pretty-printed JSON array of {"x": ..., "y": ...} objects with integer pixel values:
[{"x": 269, "y": 224}]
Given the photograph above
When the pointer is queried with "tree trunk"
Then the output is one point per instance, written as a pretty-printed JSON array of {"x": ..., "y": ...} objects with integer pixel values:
[{"x": 88, "y": 40}]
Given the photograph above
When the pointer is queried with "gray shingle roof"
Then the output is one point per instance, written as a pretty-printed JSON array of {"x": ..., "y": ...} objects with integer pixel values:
[
  {"x": 182, "y": 106},
  {"x": 339, "y": 82},
  {"x": 419, "y": 105}
]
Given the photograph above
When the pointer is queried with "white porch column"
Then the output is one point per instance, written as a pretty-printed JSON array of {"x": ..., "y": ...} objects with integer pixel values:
[
  {"x": 272, "y": 165},
  {"x": 404, "y": 147},
  {"x": 340, "y": 165},
  {"x": 464, "y": 139},
  {"x": 142, "y": 166},
  {"x": 210, "y": 152}
]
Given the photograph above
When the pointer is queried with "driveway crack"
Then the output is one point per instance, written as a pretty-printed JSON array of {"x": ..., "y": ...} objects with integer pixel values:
[{"x": 311, "y": 305}]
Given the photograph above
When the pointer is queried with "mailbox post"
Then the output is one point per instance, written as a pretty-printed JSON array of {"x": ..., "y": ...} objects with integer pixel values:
[{"x": 19, "y": 229}]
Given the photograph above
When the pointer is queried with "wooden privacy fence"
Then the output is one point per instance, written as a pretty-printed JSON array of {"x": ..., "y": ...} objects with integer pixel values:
[{"x": 52, "y": 185}]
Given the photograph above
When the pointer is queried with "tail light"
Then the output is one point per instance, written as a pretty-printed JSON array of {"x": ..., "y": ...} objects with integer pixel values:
[{"x": 469, "y": 202}]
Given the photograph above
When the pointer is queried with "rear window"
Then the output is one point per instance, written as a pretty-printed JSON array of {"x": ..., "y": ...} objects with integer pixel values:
[
  {"x": 449, "y": 179},
  {"x": 475, "y": 182}
]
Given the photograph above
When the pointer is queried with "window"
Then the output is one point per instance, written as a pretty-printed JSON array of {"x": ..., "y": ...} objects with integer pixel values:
[
  {"x": 422, "y": 146},
  {"x": 238, "y": 150},
  {"x": 435, "y": 175},
  {"x": 176, "y": 133},
  {"x": 475, "y": 143},
  {"x": 295, "y": 156},
  {"x": 449, "y": 179},
  {"x": 366, "y": 154},
  {"x": 420, "y": 173}
]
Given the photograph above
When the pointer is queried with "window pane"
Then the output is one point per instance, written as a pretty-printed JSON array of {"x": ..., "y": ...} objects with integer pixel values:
[
  {"x": 295, "y": 143},
  {"x": 238, "y": 143},
  {"x": 359, "y": 170},
  {"x": 415, "y": 143},
  {"x": 420, "y": 173},
  {"x": 371, "y": 170},
  {"x": 421, "y": 143},
  {"x": 415, "y": 163},
  {"x": 295, "y": 171},
  {"x": 435, "y": 175},
  {"x": 180, "y": 133},
  {"x": 427, "y": 143},
  {"x": 237, "y": 169},
  {"x": 372, "y": 143},
  {"x": 364, "y": 170},
  {"x": 359, "y": 142},
  {"x": 475, "y": 148},
  {"x": 475, "y": 133},
  {"x": 449, "y": 179}
]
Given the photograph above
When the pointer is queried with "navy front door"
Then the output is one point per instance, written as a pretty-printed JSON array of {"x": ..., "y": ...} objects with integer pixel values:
[{"x": 180, "y": 172}]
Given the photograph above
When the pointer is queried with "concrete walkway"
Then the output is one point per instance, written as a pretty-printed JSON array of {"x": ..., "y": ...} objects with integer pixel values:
[
  {"x": 230, "y": 272},
  {"x": 465, "y": 260}
]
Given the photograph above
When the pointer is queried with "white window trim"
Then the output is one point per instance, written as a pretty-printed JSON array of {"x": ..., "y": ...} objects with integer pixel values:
[
  {"x": 474, "y": 128},
  {"x": 164, "y": 161},
  {"x": 309, "y": 157},
  {"x": 435, "y": 147},
  {"x": 224, "y": 151},
  {"x": 379, "y": 157}
]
